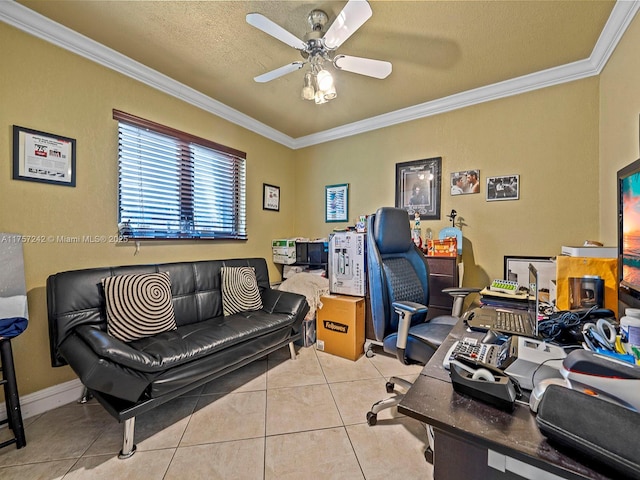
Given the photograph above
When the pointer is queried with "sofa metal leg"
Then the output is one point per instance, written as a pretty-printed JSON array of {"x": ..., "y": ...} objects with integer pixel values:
[
  {"x": 86, "y": 396},
  {"x": 128, "y": 447},
  {"x": 292, "y": 350}
]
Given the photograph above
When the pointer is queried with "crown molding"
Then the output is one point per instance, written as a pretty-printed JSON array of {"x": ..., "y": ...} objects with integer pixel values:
[
  {"x": 40, "y": 26},
  {"x": 621, "y": 16},
  {"x": 35, "y": 24}
]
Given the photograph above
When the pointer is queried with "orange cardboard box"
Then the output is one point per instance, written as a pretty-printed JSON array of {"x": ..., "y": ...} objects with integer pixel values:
[
  {"x": 340, "y": 326},
  {"x": 447, "y": 247}
]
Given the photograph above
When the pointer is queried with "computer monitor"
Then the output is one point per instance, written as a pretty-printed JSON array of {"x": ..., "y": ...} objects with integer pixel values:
[{"x": 629, "y": 234}]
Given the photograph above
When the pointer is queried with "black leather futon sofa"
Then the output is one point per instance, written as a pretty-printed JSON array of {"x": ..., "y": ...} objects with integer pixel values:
[{"x": 132, "y": 377}]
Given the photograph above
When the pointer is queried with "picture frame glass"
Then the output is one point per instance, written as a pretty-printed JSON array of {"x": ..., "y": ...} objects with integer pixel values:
[
  {"x": 270, "y": 197},
  {"x": 465, "y": 182},
  {"x": 418, "y": 187},
  {"x": 337, "y": 203},
  {"x": 505, "y": 187},
  {"x": 43, "y": 157}
]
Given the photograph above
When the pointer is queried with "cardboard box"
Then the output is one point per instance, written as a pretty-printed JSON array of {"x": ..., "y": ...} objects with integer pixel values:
[
  {"x": 447, "y": 247},
  {"x": 284, "y": 251},
  {"x": 340, "y": 326},
  {"x": 347, "y": 264}
]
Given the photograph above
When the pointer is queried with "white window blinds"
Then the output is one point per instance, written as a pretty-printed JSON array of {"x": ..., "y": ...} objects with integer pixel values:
[{"x": 174, "y": 185}]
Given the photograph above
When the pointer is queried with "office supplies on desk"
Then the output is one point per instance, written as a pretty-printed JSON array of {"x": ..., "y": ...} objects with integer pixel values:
[
  {"x": 472, "y": 348},
  {"x": 506, "y": 320},
  {"x": 605, "y": 377},
  {"x": 483, "y": 382},
  {"x": 530, "y": 360}
]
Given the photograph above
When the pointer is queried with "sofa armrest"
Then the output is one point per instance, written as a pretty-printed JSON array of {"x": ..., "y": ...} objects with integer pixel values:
[
  {"x": 119, "y": 352},
  {"x": 278, "y": 301}
]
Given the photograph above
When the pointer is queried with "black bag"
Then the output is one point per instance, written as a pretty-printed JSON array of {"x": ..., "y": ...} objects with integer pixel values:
[{"x": 595, "y": 429}]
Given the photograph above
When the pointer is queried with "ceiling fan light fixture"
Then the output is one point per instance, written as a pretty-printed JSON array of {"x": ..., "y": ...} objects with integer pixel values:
[
  {"x": 308, "y": 92},
  {"x": 331, "y": 93},
  {"x": 320, "y": 98},
  {"x": 325, "y": 80}
]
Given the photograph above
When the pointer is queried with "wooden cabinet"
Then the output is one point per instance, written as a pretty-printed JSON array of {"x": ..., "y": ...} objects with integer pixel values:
[{"x": 443, "y": 273}]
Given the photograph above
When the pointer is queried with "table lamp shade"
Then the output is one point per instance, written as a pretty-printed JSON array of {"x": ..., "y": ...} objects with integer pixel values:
[{"x": 14, "y": 312}]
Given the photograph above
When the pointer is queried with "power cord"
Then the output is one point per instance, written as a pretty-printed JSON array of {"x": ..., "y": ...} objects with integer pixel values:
[
  {"x": 559, "y": 322},
  {"x": 533, "y": 375}
]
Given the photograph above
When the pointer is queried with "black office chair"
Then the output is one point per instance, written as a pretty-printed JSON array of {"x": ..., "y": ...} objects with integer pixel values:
[{"x": 399, "y": 293}]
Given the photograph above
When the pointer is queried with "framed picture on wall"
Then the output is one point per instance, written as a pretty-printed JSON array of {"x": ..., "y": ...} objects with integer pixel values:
[
  {"x": 336, "y": 203},
  {"x": 418, "y": 187},
  {"x": 506, "y": 187},
  {"x": 43, "y": 157},
  {"x": 464, "y": 182},
  {"x": 270, "y": 197}
]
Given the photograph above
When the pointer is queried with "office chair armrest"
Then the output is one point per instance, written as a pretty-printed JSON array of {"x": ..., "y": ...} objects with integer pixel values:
[
  {"x": 459, "y": 294},
  {"x": 405, "y": 311}
]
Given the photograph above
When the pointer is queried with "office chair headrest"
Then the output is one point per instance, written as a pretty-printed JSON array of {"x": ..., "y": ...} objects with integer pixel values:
[{"x": 392, "y": 231}]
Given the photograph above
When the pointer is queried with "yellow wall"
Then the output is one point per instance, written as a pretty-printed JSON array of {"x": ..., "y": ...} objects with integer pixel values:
[
  {"x": 619, "y": 129},
  {"x": 549, "y": 137},
  {"x": 49, "y": 89},
  {"x": 565, "y": 142}
]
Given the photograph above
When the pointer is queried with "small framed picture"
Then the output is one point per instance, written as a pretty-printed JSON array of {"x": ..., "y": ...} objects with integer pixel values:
[
  {"x": 43, "y": 157},
  {"x": 464, "y": 182},
  {"x": 270, "y": 197},
  {"x": 506, "y": 187},
  {"x": 336, "y": 203}
]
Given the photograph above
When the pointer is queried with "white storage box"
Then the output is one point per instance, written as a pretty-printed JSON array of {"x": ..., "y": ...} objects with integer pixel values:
[
  {"x": 347, "y": 264},
  {"x": 284, "y": 251}
]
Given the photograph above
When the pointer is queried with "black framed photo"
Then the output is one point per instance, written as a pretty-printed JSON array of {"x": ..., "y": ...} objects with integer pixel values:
[
  {"x": 43, "y": 157},
  {"x": 418, "y": 187},
  {"x": 270, "y": 197},
  {"x": 336, "y": 203}
]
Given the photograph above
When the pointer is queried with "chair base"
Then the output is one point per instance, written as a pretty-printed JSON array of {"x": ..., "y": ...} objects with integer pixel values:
[
  {"x": 369, "y": 350},
  {"x": 372, "y": 415}
]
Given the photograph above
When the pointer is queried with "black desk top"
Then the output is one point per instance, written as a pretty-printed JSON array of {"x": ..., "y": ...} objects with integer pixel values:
[{"x": 432, "y": 400}]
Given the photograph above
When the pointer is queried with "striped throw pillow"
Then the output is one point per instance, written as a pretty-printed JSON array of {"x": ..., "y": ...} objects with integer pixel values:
[
  {"x": 138, "y": 305},
  {"x": 240, "y": 291}
]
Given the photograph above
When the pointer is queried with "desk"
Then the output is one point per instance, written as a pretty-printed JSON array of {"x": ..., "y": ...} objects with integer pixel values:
[{"x": 470, "y": 435}]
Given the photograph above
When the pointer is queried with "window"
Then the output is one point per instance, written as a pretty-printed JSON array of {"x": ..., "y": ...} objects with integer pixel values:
[{"x": 175, "y": 185}]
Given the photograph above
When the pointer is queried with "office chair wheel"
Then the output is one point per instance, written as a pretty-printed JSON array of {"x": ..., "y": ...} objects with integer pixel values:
[
  {"x": 390, "y": 387},
  {"x": 372, "y": 419},
  {"x": 369, "y": 353}
]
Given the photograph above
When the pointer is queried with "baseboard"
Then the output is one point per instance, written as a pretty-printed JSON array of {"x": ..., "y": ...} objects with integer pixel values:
[{"x": 44, "y": 400}]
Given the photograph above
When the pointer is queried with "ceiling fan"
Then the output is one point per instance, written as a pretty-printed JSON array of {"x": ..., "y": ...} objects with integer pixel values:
[{"x": 319, "y": 47}]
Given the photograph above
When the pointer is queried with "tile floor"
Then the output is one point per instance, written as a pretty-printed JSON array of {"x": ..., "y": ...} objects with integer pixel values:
[{"x": 274, "y": 419}]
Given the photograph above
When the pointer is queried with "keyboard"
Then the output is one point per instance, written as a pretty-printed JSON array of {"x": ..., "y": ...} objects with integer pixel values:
[{"x": 511, "y": 321}]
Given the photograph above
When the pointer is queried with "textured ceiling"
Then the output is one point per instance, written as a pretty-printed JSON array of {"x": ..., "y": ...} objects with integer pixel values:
[{"x": 437, "y": 48}]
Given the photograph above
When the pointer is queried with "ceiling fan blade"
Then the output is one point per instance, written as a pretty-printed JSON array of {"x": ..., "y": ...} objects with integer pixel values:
[
  {"x": 363, "y": 66},
  {"x": 279, "y": 72},
  {"x": 350, "y": 19},
  {"x": 271, "y": 28}
]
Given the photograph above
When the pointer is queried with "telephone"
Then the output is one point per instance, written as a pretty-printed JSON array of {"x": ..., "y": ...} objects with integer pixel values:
[{"x": 484, "y": 382}]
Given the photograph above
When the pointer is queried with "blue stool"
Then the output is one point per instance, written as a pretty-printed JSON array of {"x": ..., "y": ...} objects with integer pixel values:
[{"x": 11, "y": 399}]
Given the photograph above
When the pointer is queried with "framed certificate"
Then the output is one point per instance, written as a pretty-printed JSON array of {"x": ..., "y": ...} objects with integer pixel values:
[{"x": 43, "y": 157}]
